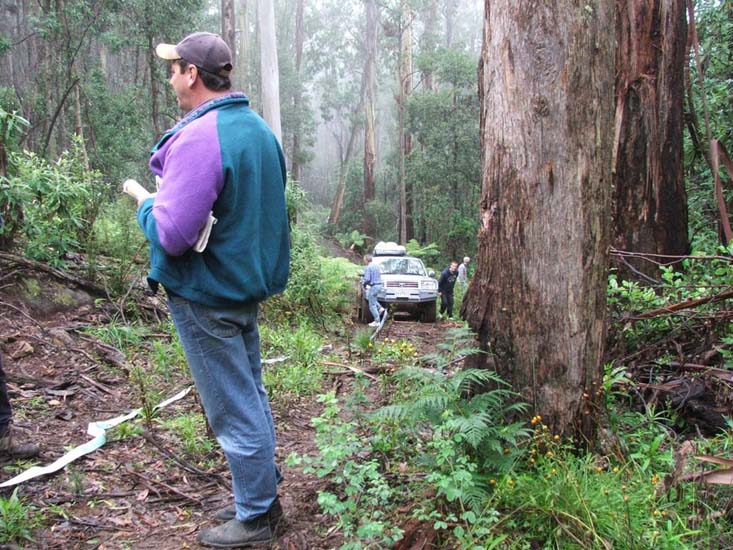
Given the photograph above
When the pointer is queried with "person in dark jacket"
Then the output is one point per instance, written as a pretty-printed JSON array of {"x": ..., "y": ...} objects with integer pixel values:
[{"x": 445, "y": 286}]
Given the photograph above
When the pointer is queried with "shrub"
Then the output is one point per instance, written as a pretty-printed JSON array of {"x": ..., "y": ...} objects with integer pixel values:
[{"x": 51, "y": 205}]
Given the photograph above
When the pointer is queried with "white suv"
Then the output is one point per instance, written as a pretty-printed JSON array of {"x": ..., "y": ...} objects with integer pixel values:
[{"x": 406, "y": 284}]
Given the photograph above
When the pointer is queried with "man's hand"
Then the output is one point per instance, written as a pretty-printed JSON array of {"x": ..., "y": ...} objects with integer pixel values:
[{"x": 136, "y": 191}]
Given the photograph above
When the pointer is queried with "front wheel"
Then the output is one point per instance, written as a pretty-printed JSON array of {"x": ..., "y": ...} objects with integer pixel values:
[{"x": 427, "y": 312}]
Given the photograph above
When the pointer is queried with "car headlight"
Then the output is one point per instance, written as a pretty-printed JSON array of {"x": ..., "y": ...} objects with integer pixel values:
[{"x": 429, "y": 284}]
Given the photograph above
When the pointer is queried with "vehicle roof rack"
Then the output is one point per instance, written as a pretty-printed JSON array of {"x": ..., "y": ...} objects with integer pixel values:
[{"x": 389, "y": 248}]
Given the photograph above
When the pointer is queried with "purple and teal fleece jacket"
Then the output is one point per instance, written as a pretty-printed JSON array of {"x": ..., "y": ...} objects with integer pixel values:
[{"x": 223, "y": 157}]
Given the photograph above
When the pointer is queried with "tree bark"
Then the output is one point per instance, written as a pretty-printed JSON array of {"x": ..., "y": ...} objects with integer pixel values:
[
  {"x": 228, "y": 27},
  {"x": 537, "y": 300},
  {"x": 242, "y": 65},
  {"x": 406, "y": 229},
  {"x": 449, "y": 11},
  {"x": 428, "y": 43},
  {"x": 269, "y": 71},
  {"x": 370, "y": 85},
  {"x": 650, "y": 203},
  {"x": 154, "y": 99},
  {"x": 295, "y": 162}
]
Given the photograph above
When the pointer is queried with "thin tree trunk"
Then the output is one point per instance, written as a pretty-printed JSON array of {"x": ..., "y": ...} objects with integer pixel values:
[
  {"x": 406, "y": 230},
  {"x": 345, "y": 156},
  {"x": 650, "y": 203},
  {"x": 79, "y": 127},
  {"x": 537, "y": 300},
  {"x": 450, "y": 14},
  {"x": 295, "y": 163},
  {"x": 241, "y": 66},
  {"x": 269, "y": 72},
  {"x": 370, "y": 146},
  {"x": 153, "y": 71},
  {"x": 428, "y": 43},
  {"x": 228, "y": 27}
]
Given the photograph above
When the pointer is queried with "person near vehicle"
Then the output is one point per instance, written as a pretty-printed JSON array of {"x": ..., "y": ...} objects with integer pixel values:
[
  {"x": 221, "y": 159},
  {"x": 446, "y": 282},
  {"x": 463, "y": 272},
  {"x": 10, "y": 447},
  {"x": 372, "y": 284}
]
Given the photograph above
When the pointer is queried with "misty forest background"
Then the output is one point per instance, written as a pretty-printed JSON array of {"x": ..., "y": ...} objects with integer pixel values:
[{"x": 85, "y": 73}]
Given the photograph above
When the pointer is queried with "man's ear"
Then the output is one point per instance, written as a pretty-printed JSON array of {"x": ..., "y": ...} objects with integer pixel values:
[{"x": 193, "y": 75}]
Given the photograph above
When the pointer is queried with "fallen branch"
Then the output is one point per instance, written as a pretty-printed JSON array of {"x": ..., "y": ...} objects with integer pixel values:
[
  {"x": 99, "y": 386},
  {"x": 687, "y": 304},
  {"x": 351, "y": 368},
  {"x": 57, "y": 273},
  {"x": 149, "y": 480}
]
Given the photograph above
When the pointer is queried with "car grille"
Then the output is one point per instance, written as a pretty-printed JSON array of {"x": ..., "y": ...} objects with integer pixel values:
[{"x": 402, "y": 284}]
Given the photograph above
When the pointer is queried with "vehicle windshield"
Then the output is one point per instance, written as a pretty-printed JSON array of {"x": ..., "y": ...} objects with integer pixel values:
[{"x": 401, "y": 266}]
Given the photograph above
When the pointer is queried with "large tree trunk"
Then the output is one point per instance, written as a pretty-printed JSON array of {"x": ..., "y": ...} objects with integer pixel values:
[
  {"x": 269, "y": 72},
  {"x": 537, "y": 300},
  {"x": 370, "y": 102},
  {"x": 650, "y": 203}
]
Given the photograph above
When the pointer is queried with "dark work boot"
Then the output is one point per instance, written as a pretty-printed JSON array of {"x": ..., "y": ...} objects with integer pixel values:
[
  {"x": 274, "y": 514},
  {"x": 238, "y": 534},
  {"x": 11, "y": 447}
]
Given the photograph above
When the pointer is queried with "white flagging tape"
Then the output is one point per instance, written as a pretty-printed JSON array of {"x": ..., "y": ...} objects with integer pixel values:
[{"x": 98, "y": 431}]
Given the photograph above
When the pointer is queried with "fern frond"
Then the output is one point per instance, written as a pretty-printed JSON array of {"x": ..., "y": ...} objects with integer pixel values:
[{"x": 391, "y": 412}]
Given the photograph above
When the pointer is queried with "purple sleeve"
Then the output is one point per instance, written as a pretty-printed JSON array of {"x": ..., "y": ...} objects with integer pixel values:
[{"x": 192, "y": 180}]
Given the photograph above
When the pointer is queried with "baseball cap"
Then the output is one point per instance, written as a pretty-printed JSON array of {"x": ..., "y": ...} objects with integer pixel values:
[{"x": 204, "y": 49}]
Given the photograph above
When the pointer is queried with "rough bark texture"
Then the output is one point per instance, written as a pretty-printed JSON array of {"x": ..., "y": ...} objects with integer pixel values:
[
  {"x": 650, "y": 203},
  {"x": 370, "y": 92},
  {"x": 537, "y": 300}
]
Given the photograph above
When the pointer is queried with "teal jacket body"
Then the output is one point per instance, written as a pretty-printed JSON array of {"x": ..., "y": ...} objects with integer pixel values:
[{"x": 221, "y": 157}]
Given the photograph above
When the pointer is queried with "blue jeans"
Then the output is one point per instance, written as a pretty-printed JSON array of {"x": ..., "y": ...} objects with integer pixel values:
[
  {"x": 222, "y": 346},
  {"x": 372, "y": 299}
]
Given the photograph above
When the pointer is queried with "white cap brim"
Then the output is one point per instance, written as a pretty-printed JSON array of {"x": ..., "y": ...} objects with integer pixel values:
[{"x": 167, "y": 51}]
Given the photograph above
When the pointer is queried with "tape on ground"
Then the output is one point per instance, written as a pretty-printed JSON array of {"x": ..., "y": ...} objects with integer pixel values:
[{"x": 98, "y": 431}]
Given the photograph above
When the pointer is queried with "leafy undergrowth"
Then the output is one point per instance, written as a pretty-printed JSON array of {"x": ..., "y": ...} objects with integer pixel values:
[{"x": 441, "y": 465}]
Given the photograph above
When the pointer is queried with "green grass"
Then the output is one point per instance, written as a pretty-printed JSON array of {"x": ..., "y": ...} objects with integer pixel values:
[{"x": 17, "y": 520}]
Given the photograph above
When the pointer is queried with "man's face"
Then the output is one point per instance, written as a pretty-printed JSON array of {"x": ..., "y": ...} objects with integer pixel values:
[
  {"x": 180, "y": 81},
  {"x": 453, "y": 266}
]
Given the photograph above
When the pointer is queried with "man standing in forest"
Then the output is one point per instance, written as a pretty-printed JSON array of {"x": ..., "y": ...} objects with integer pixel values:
[
  {"x": 372, "y": 284},
  {"x": 222, "y": 160},
  {"x": 463, "y": 272},
  {"x": 445, "y": 286}
]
